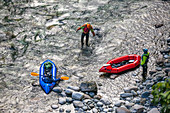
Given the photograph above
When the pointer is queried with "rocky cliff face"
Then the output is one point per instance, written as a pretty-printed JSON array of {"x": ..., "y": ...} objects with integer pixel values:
[{"x": 32, "y": 31}]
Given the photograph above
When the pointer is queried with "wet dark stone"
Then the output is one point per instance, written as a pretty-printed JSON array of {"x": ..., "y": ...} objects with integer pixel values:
[
  {"x": 152, "y": 72},
  {"x": 88, "y": 86},
  {"x": 145, "y": 94},
  {"x": 159, "y": 25}
]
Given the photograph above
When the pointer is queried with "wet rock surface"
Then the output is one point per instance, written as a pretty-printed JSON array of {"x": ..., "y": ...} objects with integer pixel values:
[{"x": 32, "y": 31}]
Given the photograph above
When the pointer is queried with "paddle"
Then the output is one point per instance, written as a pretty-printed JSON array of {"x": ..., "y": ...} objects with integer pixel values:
[{"x": 63, "y": 77}]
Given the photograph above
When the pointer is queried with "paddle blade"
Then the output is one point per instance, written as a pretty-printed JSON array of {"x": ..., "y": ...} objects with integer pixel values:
[
  {"x": 34, "y": 74},
  {"x": 64, "y": 78}
]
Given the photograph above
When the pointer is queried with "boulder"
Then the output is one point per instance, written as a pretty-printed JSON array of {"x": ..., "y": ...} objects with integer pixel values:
[
  {"x": 137, "y": 108},
  {"x": 154, "y": 110},
  {"x": 122, "y": 110},
  {"x": 57, "y": 89},
  {"x": 61, "y": 101},
  {"x": 88, "y": 86}
]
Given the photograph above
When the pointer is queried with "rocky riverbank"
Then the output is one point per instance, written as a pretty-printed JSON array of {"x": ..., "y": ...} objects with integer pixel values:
[{"x": 32, "y": 31}]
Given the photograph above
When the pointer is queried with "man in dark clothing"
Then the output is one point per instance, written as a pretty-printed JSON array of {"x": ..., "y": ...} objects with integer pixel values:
[
  {"x": 47, "y": 78},
  {"x": 144, "y": 61},
  {"x": 86, "y": 28}
]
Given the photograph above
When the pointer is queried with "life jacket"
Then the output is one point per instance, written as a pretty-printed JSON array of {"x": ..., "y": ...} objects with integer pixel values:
[
  {"x": 146, "y": 55},
  {"x": 85, "y": 30}
]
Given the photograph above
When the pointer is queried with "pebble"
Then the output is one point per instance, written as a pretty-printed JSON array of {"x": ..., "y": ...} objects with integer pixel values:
[
  {"x": 69, "y": 100},
  {"x": 154, "y": 110},
  {"x": 99, "y": 104},
  {"x": 124, "y": 95},
  {"x": 68, "y": 111},
  {"x": 57, "y": 90},
  {"x": 68, "y": 91},
  {"x": 61, "y": 110},
  {"x": 145, "y": 94},
  {"x": 54, "y": 106},
  {"x": 62, "y": 101}
]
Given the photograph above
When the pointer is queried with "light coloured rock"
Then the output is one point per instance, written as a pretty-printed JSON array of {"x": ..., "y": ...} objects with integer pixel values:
[
  {"x": 77, "y": 95},
  {"x": 154, "y": 110},
  {"x": 128, "y": 89},
  {"x": 75, "y": 88},
  {"x": 69, "y": 91},
  {"x": 54, "y": 106},
  {"x": 125, "y": 95},
  {"x": 138, "y": 108},
  {"x": 62, "y": 101},
  {"x": 122, "y": 110},
  {"x": 119, "y": 103},
  {"x": 78, "y": 104}
]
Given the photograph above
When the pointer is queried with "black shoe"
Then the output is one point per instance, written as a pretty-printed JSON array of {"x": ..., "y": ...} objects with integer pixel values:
[{"x": 87, "y": 45}]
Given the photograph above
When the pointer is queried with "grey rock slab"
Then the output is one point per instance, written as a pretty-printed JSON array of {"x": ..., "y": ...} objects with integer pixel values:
[
  {"x": 119, "y": 103},
  {"x": 75, "y": 88},
  {"x": 122, "y": 110},
  {"x": 138, "y": 108},
  {"x": 78, "y": 104},
  {"x": 124, "y": 95},
  {"x": 154, "y": 110},
  {"x": 77, "y": 95}
]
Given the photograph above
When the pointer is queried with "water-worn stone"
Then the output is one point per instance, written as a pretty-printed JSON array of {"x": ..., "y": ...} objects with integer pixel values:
[
  {"x": 68, "y": 111},
  {"x": 75, "y": 88},
  {"x": 128, "y": 89},
  {"x": 94, "y": 110},
  {"x": 91, "y": 94},
  {"x": 77, "y": 95},
  {"x": 129, "y": 105},
  {"x": 154, "y": 110},
  {"x": 61, "y": 110},
  {"x": 88, "y": 86},
  {"x": 105, "y": 101},
  {"x": 124, "y": 95},
  {"x": 119, "y": 103},
  {"x": 54, "y": 106},
  {"x": 145, "y": 94},
  {"x": 62, "y": 101},
  {"x": 85, "y": 108},
  {"x": 97, "y": 97},
  {"x": 69, "y": 91},
  {"x": 122, "y": 110},
  {"x": 57, "y": 90},
  {"x": 99, "y": 104},
  {"x": 138, "y": 108},
  {"x": 78, "y": 104},
  {"x": 69, "y": 100}
]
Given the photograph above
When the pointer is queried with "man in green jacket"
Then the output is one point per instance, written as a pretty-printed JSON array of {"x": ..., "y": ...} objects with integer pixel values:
[{"x": 144, "y": 61}]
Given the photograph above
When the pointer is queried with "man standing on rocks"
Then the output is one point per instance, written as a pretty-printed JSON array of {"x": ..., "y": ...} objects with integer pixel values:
[
  {"x": 86, "y": 28},
  {"x": 144, "y": 61}
]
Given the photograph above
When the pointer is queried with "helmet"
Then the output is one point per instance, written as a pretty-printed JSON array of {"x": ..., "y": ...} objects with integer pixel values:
[
  {"x": 88, "y": 25},
  {"x": 145, "y": 50},
  {"x": 48, "y": 65}
]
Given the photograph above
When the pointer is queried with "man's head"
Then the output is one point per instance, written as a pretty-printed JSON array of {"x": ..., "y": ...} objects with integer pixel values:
[
  {"x": 48, "y": 65},
  {"x": 145, "y": 51}
]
